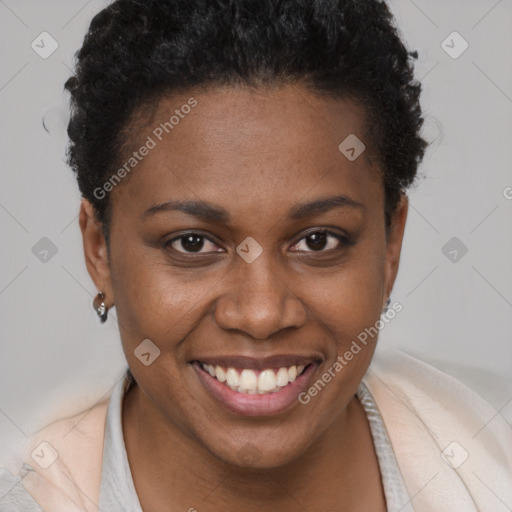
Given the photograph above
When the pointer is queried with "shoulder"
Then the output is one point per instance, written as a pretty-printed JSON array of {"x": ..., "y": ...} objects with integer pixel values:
[
  {"x": 434, "y": 418},
  {"x": 59, "y": 465},
  {"x": 423, "y": 388}
]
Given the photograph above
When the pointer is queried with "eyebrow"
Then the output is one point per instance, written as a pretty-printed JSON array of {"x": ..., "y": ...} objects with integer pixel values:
[{"x": 212, "y": 213}]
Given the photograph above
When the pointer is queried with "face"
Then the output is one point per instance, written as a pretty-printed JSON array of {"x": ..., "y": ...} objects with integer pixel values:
[{"x": 246, "y": 245}]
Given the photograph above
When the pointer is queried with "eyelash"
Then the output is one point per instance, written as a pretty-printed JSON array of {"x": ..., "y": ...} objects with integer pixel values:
[{"x": 343, "y": 241}]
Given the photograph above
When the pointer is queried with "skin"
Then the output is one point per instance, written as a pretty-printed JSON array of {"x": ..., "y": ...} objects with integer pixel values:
[{"x": 256, "y": 154}]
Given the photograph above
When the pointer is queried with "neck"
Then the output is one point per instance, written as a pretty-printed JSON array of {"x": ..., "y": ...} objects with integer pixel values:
[{"x": 339, "y": 470}]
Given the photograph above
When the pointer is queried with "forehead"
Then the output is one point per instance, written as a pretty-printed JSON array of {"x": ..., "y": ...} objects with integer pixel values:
[{"x": 261, "y": 147}]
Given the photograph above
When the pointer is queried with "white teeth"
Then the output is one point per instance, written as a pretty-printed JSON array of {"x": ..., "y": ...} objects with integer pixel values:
[
  {"x": 282, "y": 377},
  {"x": 268, "y": 381},
  {"x": 220, "y": 374},
  {"x": 232, "y": 377},
  {"x": 248, "y": 380}
]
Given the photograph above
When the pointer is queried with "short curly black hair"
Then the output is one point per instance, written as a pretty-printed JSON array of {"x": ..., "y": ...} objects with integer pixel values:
[{"x": 137, "y": 50}]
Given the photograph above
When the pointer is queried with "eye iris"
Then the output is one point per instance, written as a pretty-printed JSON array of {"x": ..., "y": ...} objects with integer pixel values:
[
  {"x": 316, "y": 241},
  {"x": 192, "y": 243}
]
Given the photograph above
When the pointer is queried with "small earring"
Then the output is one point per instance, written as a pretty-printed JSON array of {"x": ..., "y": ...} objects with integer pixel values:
[
  {"x": 386, "y": 307},
  {"x": 100, "y": 306}
]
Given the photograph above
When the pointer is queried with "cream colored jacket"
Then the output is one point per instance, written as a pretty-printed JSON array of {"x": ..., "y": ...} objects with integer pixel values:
[{"x": 453, "y": 449}]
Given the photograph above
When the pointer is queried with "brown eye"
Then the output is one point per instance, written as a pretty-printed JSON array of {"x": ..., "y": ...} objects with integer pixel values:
[
  {"x": 321, "y": 241},
  {"x": 192, "y": 243}
]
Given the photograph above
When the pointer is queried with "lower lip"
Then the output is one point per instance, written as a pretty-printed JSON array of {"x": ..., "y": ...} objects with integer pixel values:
[{"x": 255, "y": 405}]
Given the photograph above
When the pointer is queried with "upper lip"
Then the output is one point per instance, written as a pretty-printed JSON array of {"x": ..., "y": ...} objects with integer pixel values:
[{"x": 259, "y": 363}]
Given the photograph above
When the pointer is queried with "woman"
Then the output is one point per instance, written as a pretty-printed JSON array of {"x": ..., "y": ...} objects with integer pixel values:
[{"x": 244, "y": 167}]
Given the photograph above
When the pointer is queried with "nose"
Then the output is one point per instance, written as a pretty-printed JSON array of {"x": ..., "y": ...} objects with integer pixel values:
[{"x": 257, "y": 301}]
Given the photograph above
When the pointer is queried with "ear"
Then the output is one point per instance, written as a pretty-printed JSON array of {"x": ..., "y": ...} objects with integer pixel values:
[
  {"x": 394, "y": 244},
  {"x": 95, "y": 251}
]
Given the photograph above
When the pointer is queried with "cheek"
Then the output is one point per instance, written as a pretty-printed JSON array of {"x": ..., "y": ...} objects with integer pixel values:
[
  {"x": 351, "y": 307},
  {"x": 350, "y": 298},
  {"x": 156, "y": 301},
  {"x": 348, "y": 305}
]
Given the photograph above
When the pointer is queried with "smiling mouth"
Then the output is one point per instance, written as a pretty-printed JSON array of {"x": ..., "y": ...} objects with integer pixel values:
[
  {"x": 252, "y": 382},
  {"x": 256, "y": 386}
]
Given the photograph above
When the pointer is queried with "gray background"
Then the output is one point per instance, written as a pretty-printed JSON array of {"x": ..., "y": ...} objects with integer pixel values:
[{"x": 456, "y": 314}]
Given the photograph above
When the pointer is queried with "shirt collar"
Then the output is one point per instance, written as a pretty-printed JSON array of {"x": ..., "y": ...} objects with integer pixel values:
[{"x": 117, "y": 491}]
